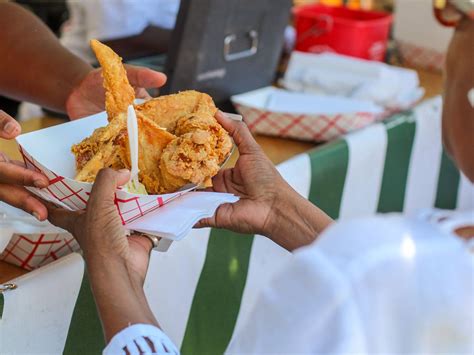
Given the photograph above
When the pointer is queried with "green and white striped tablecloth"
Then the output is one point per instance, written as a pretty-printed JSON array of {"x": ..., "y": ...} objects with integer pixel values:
[{"x": 203, "y": 288}]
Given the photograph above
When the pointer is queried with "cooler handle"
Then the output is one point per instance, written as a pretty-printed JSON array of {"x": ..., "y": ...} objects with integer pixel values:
[{"x": 228, "y": 56}]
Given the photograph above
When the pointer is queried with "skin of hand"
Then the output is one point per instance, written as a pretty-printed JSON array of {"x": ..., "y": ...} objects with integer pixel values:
[
  {"x": 14, "y": 176},
  {"x": 267, "y": 205},
  {"x": 116, "y": 263},
  {"x": 88, "y": 97}
]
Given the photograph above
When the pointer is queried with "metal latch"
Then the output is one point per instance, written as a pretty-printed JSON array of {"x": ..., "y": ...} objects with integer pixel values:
[{"x": 228, "y": 56}]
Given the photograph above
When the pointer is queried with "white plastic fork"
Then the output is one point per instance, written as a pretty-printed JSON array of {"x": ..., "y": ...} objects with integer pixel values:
[{"x": 133, "y": 185}]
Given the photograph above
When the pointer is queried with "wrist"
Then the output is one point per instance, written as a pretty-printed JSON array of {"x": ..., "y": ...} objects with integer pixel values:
[
  {"x": 294, "y": 221},
  {"x": 112, "y": 266}
]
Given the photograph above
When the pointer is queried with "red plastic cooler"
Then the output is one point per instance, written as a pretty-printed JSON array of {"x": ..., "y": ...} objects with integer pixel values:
[{"x": 357, "y": 33}]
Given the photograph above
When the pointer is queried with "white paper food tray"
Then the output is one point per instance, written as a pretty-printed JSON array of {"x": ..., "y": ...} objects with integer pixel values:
[
  {"x": 28, "y": 243},
  {"x": 264, "y": 112},
  {"x": 49, "y": 151}
]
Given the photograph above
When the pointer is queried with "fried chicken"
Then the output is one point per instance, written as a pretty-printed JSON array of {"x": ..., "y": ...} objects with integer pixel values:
[
  {"x": 152, "y": 140},
  {"x": 89, "y": 147},
  {"x": 179, "y": 140},
  {"x": 119, "y": 94},
  {"x": 167, "y": 110},
  {"x": 221, "y": 144},
  {"x": 189, "y": 159}
]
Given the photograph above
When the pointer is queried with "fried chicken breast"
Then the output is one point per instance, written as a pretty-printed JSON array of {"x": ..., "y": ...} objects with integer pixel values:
[{"x": 167, "y": 110}]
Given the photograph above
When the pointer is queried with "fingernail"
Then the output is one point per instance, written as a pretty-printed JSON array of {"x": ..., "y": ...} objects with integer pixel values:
[
  {"x": 124, "y": 171},
  {"x": 40, "y": 183},
  {"x": 234, "y": 117},
  {"x": 10, "y": 128},
  {"x": 36, "y": 215}
]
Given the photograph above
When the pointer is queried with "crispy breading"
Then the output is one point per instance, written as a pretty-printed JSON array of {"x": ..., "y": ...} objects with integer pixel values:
[
  {"x": 85, "y": 150},
  {"x": 119, "y": 94},
  {"x": 152, "y": 140},
  {"x": 221, "y": 145},
  {"x": 167, "y": 110},
  {"x": 106, "y": 157},
  {"x": 188, "y": 159}
]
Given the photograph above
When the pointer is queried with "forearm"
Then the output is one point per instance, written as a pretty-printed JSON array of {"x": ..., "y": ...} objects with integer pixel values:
[
  {"x": 119, "y": 297},
  {"x": 33, "y": 65},
  {"x": 295, "y": 221}
]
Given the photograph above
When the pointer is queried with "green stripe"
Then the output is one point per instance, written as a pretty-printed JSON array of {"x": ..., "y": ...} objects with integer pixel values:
[
  {"x": 218, "y": 294},
  {"x": 400, "y": 137},
  {"x": 85, "y": 332},
  {"x": 448, "y": 184},
  {"x": 328, "y": 175},
  {"x": 2, "y": 304}
]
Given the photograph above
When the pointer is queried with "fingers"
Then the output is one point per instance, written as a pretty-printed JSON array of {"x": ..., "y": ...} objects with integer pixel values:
[
  {"x": 106, "y": 182},
  {"x": 63, "y": 218},
  {"x": 144, "y": 242},
  {"x": 141, "y": 93},
  {"x": 11, "y": 173},
  {"x": 144, "y": 77},
  {"x": 9, "y": 128},
  {"x": 205, "y": 223},
  {"x": 240, "y": 134},
  {"x": 18, "y": 197}
]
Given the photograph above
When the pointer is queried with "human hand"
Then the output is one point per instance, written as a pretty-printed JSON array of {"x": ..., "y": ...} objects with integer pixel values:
[
  {"x": 14, "y": 176},
  {"x": 99, "y": 230},
  {"x": 254, "y": 179},
  {"x": 88, "y": 97},
  {"x": 267, "y": 205}
]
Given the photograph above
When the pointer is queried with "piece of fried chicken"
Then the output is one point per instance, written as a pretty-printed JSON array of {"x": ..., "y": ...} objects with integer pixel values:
[
  {"x": 221, "y": 144},
  {"x": 167, "y": 110},
  {"x": 152, "y": 140},
  {"x": 119, "y": 94},
  {"x": 189, "y": 159}
]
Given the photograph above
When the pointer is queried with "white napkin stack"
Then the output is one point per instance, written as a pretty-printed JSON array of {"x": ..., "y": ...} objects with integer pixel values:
[
  {"x": 343, "y": 76},
  {"x": 176, "y": 219},
  {"x": 306, "y": 103}
]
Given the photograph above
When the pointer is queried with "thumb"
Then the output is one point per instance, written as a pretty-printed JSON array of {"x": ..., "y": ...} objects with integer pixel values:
[
  {"x": 103, "y": 190},
  {"x": 9, "y": 128},
  {"x": 144, "y": 77},
  {"x": 240, "y": 134}
]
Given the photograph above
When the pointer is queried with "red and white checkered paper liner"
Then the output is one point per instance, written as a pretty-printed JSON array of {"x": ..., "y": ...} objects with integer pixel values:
[
  {"x": 74, "y": 195},
  {"x": 309, "y": 127},
  {"x": 31, "y": 251},
  {"x": 48, "y": 151}
]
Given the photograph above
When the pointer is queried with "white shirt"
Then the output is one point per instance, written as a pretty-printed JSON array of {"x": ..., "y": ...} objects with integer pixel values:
[
  {"x": 140, "y": 339},
  {"x": 111, "y": 19},
  {"x": 377, "y": 285}
]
